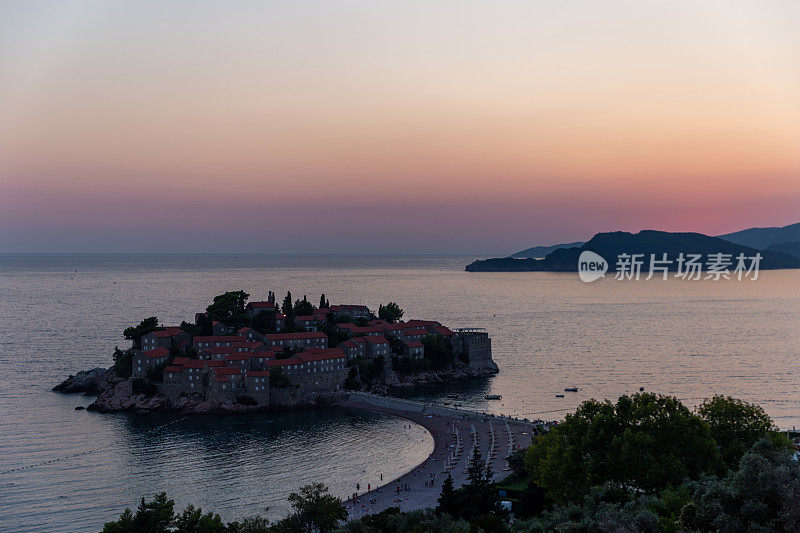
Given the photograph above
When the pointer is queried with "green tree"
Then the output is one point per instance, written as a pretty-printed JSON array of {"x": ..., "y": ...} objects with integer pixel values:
[
  {"x": 316, "y": 509},
  {"x": 192, "y": 520},
  {"x": 760, "y": 495},
  {"x": 477, "y": 499},
  {"x": 736, "y": 426},
  {"x": 287, "y": 305},
  {"x": 323, "y": 302},
  {"x": 123, "y": 362},
  {"x": 134, "y": 333},
  {"x": 479, "y": 494},
  {"x": 390, "y": 312},
  {"x": 447, "y": 502},
  {"x": 279, "y": 380},
  {"x": 229, "y": 309},
  {"x": 123, "y": 525},
  {"x": 422, "y": 521},
  {"x": 438, "y": 352},
  {"x": 151, "y": 517},
  {"x": 265, "y": 322},
  {"x": 645, "y": 441},
  {"x": 302, "y": 307},
  {"x": 251, "y": 524}
]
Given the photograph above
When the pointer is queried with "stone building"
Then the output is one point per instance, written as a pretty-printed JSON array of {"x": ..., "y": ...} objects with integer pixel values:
[{"x": 302, "y": 340}]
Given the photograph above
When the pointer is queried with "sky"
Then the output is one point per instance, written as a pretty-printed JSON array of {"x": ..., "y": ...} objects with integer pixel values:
[{"x": 392, "y": 127}]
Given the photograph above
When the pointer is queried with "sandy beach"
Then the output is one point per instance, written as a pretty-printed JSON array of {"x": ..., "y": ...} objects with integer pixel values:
[{"x": 454, "y": 438}]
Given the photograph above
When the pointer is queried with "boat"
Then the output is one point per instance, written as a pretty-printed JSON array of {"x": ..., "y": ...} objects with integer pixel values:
[
  {"x": 559, "y": 395},
  {"x": 493, "y": 397},
  {"x": 571, "y": 389}
]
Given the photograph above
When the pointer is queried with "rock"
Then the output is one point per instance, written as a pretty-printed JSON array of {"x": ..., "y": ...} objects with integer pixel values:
[
  {"x": 80, "y": 408},
  {"x": 88, "y": 381},
  {"x": 120, "y": 397}
]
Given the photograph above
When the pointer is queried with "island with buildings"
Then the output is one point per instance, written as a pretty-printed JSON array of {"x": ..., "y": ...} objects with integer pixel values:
[{"x": 242, "y": 355}]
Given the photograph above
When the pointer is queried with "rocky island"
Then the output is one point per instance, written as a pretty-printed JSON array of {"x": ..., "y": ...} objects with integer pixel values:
[
  {"x": 241, "y": 356},
  {"x": 647, "y": 243}
]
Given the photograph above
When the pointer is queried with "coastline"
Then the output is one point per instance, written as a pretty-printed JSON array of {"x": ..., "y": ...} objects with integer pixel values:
[{"x": 420, "y": 487}]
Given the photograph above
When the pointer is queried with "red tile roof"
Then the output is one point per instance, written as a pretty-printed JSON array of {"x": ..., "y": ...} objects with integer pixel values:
[
  {"x": 226, "y": 371},
  {"x": 419, "y": 331},
  {"x": 247, "y": 344},
  {"x": 294, "y": 336},
  {"x": 261, "y": 305},
  {"x": 158, "y": 352},
  {"x": 173, "y": 368},
  {"x": 370, "y": 329},
  {"x": 238, "y": 357},
  {"x": 413, "y": 344},
  {"x": 219, "y": 350},
  {"x": 376, "y": 340},
  {"x": 196, "y": 363},
  {"x": 217, "y": 338},
  {"x": 284, "y": 362},
  {"x": 423, "y": 323},
  {"x": 349, "y": 307},
  {"x": 178, "y": 361},
  {"x": 257, "y": 373},
  {"x": 443, "y": 331},
  {"x": 398, "y": 327},
  {"x": 308, "y": 357}
]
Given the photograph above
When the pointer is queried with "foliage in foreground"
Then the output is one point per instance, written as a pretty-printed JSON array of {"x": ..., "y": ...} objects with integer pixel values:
[
  {"x": 739, "y": 477},
  {"x": 645, "y": 441}
]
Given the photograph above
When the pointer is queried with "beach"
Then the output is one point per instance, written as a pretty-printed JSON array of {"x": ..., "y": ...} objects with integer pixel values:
[{"x": 454, "y": 438}]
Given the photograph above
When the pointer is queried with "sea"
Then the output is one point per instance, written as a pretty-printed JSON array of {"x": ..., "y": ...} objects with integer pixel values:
[{"x": 67, "y": 469}]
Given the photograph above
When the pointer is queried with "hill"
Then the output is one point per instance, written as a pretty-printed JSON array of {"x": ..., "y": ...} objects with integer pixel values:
[
  {"x": 610, "y": 245},
  {"x": 762, "y": 238},
  {"x": 788, "y": 248},
  {"x": 540, "y": 252}
]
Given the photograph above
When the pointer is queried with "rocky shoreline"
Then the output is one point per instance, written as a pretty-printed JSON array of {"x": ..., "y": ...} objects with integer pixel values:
[{"x": 116, "y": 394}]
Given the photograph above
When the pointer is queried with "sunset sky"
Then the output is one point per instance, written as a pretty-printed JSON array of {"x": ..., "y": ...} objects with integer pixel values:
[{"x": 392, "y": 127}]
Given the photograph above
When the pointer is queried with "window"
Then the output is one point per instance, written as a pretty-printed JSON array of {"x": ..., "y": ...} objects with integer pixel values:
[
  {"x": 256, "y": 388},
  {"x": 139, "y": 369}
]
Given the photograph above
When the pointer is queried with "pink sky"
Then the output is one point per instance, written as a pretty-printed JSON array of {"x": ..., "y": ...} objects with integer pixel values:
[{"x": 395, "y": 128}]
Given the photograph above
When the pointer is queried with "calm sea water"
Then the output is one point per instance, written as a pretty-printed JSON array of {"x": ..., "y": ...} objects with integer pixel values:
[{"x": 60, "y": 314}]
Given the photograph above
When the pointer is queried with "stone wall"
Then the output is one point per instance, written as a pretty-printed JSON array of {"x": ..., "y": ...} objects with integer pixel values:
[{"x": 401, "y": 404}]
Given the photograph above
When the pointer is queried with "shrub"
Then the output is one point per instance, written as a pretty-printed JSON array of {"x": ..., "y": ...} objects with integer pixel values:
[
  {"x": 140, "y": 386},
  {"x": 123, "y": 362},
  {"x": 246, "y": 400}
]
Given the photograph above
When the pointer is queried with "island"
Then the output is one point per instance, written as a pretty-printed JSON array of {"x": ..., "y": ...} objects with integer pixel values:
[
  {"x": 244, "y": 356},
  {"x": 610, "y": 245}
]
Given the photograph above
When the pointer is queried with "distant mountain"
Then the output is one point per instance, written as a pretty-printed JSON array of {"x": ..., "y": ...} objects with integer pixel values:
[
  {"x": 539, "y": 252},
  {"x": 762, "y": 238},
  {"x": 610, "y": 245},
  {"x": 788, "y": 248}
]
